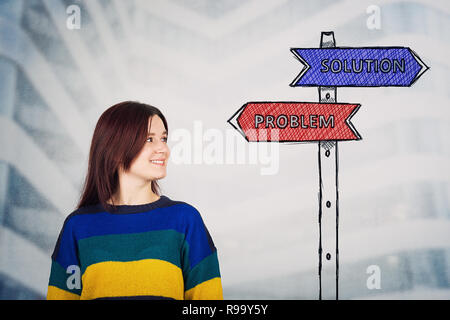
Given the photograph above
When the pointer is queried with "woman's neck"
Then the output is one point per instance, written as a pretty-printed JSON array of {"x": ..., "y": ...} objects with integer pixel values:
[
  {"x": 132, "y": 191},
  {"x": 134, "y": 199}
]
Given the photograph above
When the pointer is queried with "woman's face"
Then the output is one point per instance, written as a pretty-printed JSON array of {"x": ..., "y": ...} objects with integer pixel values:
[{"x": 151, "y": 162}]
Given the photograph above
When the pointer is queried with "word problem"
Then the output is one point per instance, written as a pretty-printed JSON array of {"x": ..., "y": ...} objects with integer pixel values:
[{"x": 293, "y": 121}]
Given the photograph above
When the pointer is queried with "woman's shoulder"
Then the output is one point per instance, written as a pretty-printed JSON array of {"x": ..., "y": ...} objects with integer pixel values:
[
  {"x": 81, "y": 215},
  {"x": 184, "y": 205},
  {"x": 86, "y": 209},
  {"x": 166, "y": 198},
  {"x": 185, "y": 208}
]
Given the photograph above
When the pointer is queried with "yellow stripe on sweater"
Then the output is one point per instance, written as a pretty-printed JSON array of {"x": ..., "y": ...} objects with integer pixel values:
[
  {"x": 207, "y": 290},
  {"x": 132, "y": 278},
  {"x": 55, "y": 293}
]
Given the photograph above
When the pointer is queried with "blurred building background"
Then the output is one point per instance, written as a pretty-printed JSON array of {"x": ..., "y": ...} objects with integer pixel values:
[{"x": 200, "y": 60}]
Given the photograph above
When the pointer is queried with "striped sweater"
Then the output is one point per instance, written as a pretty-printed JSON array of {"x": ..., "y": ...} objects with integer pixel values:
[{"x": 159, "y": 250}]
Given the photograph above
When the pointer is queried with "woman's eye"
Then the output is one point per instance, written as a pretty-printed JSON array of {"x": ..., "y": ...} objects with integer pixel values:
[{"x": 150, "y": 139}]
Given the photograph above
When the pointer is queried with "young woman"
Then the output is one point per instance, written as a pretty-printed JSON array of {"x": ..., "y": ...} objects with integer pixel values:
[{"x": 125, "y": 240}]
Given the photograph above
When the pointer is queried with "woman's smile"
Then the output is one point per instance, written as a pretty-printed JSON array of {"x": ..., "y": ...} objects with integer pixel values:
[{"x": 157, "y": 162}]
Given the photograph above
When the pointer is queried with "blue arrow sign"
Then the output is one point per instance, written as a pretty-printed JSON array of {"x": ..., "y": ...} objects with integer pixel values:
[{"x": 358, "y": 67}]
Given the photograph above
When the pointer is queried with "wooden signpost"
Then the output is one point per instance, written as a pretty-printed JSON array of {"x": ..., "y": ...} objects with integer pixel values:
[{"x": 327, "y": 122}]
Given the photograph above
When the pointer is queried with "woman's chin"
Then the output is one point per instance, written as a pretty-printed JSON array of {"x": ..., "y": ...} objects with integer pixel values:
[{"x": 158, "y": 176}]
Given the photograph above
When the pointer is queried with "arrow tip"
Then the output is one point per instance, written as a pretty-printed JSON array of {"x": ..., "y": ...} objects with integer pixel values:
[
  {"x": 350, "y": 125},
  {"x": 305, "y": 68},
  {"x": 423, "y": 66},
  {"x": 234, "y": 123}
]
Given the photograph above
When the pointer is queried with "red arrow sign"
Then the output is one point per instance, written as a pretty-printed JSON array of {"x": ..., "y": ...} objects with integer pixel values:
[{"x": 295, "y": 121}]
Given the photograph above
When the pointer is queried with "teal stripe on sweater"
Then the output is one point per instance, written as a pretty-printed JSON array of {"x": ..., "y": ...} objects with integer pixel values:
[
  {"x": 157, "y": 244},
  {"x": 205, "y": 270},
  {"x": 59, "y": 276}
]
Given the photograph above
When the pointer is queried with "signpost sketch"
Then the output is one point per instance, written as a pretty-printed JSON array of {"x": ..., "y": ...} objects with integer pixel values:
[{"x": 327, "y": 122}]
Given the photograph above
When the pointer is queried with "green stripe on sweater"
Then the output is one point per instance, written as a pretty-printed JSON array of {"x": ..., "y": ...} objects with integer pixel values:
[
  {"x": 156, "y": 244},
  {"x": 206, "y": 269}
]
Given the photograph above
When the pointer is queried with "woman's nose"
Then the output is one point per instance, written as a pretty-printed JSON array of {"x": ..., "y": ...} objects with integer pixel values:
[{"x": 162, "y": 147}]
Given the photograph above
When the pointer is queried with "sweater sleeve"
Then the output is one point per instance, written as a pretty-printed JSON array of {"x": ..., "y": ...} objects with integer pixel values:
[
  {"x": 65, "y": 277},
  {"x": 200, "y": 264}
]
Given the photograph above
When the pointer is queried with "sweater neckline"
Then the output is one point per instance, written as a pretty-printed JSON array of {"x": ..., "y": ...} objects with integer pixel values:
[{"x": 136, "y": 208}]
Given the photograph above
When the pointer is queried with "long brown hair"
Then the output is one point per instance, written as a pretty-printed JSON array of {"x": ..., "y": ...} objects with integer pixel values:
[{"x": 119, "y": 136}]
